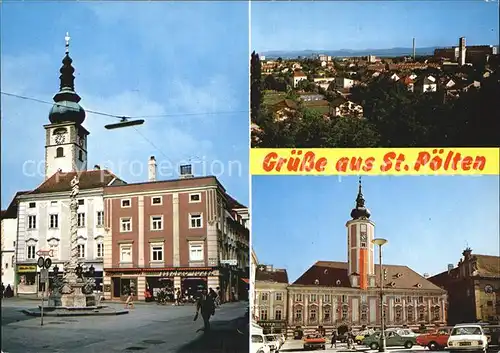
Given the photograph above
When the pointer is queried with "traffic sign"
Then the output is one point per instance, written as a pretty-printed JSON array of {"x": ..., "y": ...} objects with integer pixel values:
[
  {"x": 40, "y": 262},
  {"x": 44, "y": 275},
  {"x": 47, "y": 263},
  {"x": 41, "y": 252},
  {"x": 229, "y": 262}
]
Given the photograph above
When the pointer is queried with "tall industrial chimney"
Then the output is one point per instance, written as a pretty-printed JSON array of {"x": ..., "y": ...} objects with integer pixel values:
[
  {"x": 462, "y": 48},
  {"x": 152, "y": 169},
  {"x": 414, "y": 49}
]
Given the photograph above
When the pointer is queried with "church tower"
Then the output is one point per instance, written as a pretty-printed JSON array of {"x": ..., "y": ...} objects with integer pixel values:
[
  {"x": 65, "y": 137},
  {"x": 360, "y": 233}
]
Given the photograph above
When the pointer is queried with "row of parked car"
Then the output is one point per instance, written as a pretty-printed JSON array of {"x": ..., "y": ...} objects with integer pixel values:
[
  {"x": 462, "y": 337},
  {"x": 265, "y": 343}
]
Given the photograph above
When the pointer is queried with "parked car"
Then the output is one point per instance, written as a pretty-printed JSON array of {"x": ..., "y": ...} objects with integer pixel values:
[
  {"x": 360, "y": 336},
  {"x": 435, "y": 341},
  {"x": 258, "y": 344},
  {"x": 392, "y": 339},
  {"x": 278, "y": 339},
  {"x": 467, "y": 337},
  {"x": 314, "y": 341},
  {"x": 272, "y": 342}
]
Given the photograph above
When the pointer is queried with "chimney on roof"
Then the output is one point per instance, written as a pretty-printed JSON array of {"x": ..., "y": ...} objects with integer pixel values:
[
  {"x": 450, "y": 267},
  {"x": 97, "y": 167},
  {"x": 152, "y": 169},
  {"x": 426, "y": 275},
  {"x": 186, "y": 171}
]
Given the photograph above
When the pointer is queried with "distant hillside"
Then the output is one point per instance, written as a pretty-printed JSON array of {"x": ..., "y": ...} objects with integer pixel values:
[{"x": 349, "y": 53}]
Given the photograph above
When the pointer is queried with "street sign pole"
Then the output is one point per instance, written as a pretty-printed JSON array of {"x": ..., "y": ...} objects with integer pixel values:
[{"x": 44, "y": 264}]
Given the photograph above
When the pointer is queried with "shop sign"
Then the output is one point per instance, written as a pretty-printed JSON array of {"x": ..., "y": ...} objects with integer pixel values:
[
  {"x": 26, "y": 268},
  {"x": 269, "y": 324},
  {"x": 181, "y": 274}
]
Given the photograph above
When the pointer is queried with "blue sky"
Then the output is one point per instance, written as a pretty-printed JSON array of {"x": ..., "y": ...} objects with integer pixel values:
[
  {"x": 334, "y": 25},
  {"x": 134, "y": 59},
  {"x": 427, "y": 220}
]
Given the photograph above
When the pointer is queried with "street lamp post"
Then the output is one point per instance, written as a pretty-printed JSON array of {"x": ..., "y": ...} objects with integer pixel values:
[{"x": 380, "y": 242}]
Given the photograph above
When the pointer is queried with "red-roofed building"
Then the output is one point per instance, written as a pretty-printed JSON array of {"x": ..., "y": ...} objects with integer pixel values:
[
  {"x": 185, "y": 233},
  {"x": 298, "y": 76},
  {"x": 331, "y": 294},
  {"x": 473, "y": 288},
  {"x": 271, "y": 298}
]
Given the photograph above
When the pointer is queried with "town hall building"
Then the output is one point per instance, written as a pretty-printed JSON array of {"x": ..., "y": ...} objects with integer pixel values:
[{"x": 331, "y": 294}]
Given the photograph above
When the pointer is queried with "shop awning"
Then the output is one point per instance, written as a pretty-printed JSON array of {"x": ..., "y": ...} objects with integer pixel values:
[{"x": 245, "y": 280}]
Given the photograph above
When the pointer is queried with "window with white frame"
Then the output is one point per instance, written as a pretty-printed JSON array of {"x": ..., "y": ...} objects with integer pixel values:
[
  {"x": 312, "y": 314},
  {"x": 326, "y": 298},
  {"x": 126, "y": 253},
  {"x": 344, "y": 299},
  {"x": 32, "y": 205},
  {"x": 313, "y": 298},
  {"x": 278, "y": 314},
  {"x": 397, "y": 299},
  {"x": 156, "y": 222},
  {"x": 298, "y": 314},
  {"x": 263, "y": 314},
  {"x": 32, "y": 222},
  {"x": 298, "y": 297},
  {"x": 125, "y": 224},
  {"x": 100, "y": 250},
  {"x": 279, "y": 296},
  {"x": 81, "y": 251},
  {"x": 345, "y": 312},
  {"x": 326, "y": 314},
  {"x": 156, "y": 200},
  {"x": 157, "y": 252},
  {"x": 195, "y": 197},
  {"x": 53, "y": 221},
  {"x": 264, "y": 296},
  {"x": 81, "y": 220},
  {"x": 30, "y": 250},
  {"x": 126, "y": 203},
  {"x": 100, "y": 219},
  {"x": 195, "y": 252},
  {"x": 55, "y": 250},
  {"x": 81, "y": 202},
  {"x": 195, "y": 220},
  {"x": 420, "y": 300}
]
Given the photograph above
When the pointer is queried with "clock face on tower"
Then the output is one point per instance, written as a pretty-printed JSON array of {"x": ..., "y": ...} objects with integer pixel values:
[
  {"x": 363, "y": 237},
  {"x": 59, "y": 138}
]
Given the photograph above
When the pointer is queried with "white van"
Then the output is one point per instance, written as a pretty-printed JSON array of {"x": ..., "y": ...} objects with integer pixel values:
[{"x": 258, "y": 341}]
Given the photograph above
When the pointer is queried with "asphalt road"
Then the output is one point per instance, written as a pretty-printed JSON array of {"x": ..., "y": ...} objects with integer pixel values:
[{"x": 147, "y": 328}]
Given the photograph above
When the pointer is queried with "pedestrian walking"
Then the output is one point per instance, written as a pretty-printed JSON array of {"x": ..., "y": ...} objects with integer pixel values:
[
  {"x": 334, "y": 339},
  {"x": 130, "y": 298},
  {"x": 206, "y": 307}
]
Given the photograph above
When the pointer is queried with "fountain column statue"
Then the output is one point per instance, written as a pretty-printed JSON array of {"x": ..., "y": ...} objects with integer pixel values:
[{"x": 72, "y": 295}]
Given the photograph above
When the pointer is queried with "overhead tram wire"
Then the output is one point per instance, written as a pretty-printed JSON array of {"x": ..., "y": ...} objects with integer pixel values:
[
  {"x": 126, "y": 117},
  {"x": 121, "y": 117}
]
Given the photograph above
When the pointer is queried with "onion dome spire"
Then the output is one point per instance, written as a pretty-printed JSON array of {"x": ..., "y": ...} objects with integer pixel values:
[
  {"x": 66, "y": 107},
  {"x": 360, "y": 212}
]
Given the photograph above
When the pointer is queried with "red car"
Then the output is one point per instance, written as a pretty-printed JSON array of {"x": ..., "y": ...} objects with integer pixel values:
[{"x": 436, "y": 340}]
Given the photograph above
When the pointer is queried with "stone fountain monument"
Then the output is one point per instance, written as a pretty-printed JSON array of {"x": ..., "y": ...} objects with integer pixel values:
[{"x": 73, "y": 294}]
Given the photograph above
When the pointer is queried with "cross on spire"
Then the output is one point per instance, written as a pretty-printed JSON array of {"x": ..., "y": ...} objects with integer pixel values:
[{"x": 67, "y": 38}]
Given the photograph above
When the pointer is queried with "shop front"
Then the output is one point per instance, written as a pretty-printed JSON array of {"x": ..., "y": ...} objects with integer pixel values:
[
  {"x": 190, "y": 281},
  {"x": 272, "y": 326},
  {"x": 27, "y": 279}
]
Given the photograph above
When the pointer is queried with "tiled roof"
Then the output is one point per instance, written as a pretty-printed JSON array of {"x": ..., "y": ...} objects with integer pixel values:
[
  {"x": 327, "y": 273},
  {"x": 488, "y": 266},
  {"x": 299, "y": 74},
  {"x": 11, "y": 211},
  {"x": 90, "y": 179},
  {"x": 285, "y": 103},
  {"x": 278, "y": 275}
]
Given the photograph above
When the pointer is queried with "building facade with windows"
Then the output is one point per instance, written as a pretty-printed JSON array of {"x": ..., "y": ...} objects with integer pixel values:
[
  {"x": 186, "y": 233},
  {"x": 271, "y": 298},
  {"x": 253, "y": 298},
  {"x": 44, "y": 224},
  {"x": 8, "y": 243},
  {"x": 333, "y": 294},
  {"x": 473, "y": 288}
]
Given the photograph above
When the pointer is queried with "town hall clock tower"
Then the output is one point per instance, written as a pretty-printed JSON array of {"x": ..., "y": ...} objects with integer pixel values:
[
  {"x": 360, "y": 233},
  {"x": 65, "y": 137}
]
